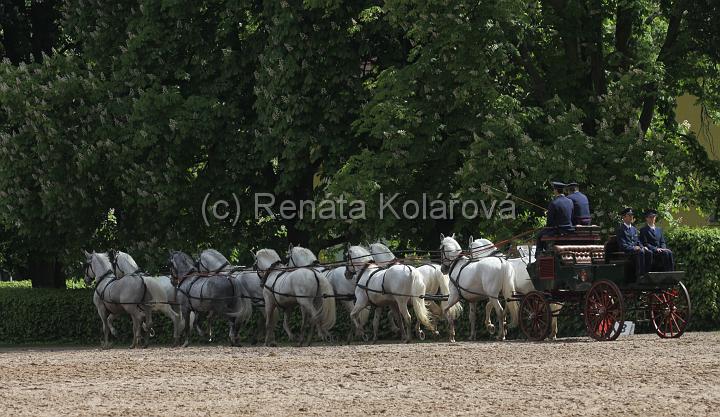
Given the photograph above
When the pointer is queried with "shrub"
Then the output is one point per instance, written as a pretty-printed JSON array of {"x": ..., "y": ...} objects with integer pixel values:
[{"x": 697, "y": 251}]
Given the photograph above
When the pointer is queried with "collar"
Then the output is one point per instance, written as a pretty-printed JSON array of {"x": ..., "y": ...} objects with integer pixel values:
[{"x": 627, "y": 225}]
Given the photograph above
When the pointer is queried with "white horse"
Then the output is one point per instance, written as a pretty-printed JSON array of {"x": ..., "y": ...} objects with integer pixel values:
[
  {"x": 161, "y": 289},
  {"x": 251, "y": 286},
  {"x": 523, "y": 284},
  {"x": 435, "y": 283},
  {"x": 395, "y": 286},
  {"x": 343, "y": 286},
  {"x": 286, "y": 288},
  {"x": 486, "y": 278},
  {"x": 116, "y": 296}
]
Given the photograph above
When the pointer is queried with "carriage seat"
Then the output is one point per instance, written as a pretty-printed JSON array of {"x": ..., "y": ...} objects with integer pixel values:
[
  {"x": 580, "y": 254},
  {"x": 613, "y": 252}
]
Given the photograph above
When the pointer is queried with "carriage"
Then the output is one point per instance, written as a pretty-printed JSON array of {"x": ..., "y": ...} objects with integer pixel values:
[{"x": 598, "y": 281}]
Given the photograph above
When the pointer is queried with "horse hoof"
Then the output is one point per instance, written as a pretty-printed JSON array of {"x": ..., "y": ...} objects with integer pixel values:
[
  {"x": 421, "y": 335},
  {"x": 366, "y": 338},
  {"x": 151, "y": 332},
  {"x": 452, "y": 340}
]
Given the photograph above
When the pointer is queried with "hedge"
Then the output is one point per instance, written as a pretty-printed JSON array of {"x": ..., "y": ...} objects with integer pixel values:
[
  {"x": 697, "y": 251},
  {"x": 54, "y": 316}
]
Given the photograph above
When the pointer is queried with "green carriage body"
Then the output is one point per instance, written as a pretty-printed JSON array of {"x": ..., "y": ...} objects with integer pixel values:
[{"x": 579, "y": 270}]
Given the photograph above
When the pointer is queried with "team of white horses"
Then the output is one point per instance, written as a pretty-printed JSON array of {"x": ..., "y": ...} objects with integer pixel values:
[{"x": 371, "y": 277}]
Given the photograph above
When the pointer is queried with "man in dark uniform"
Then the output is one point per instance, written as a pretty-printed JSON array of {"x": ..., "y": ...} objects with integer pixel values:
[
  {"x": 652, "y": 237},
  {"x": 581, "y": 205},
  {"x": 628, "y": 240},
  {"x": 559, "y": 215}
]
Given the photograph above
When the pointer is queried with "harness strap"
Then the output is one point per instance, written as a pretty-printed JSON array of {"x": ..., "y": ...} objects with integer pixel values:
[{"x": 456, "y": 282}]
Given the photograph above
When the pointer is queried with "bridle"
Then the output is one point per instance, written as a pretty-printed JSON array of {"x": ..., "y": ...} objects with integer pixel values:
[{"x": 90, "y": 270}]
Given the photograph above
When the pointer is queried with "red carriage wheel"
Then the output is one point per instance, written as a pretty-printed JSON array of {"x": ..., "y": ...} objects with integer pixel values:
[
  {"x": 670, "y": 311},
  {"x": 535, "y": 316},
  {"x": 604, "y": 311}
]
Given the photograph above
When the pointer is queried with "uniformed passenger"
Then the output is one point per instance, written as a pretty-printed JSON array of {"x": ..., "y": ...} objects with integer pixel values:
[
  {"x": 581, "y": 205},
  {"x": 652, "y": 238},
  {"x": 628, "y": 240},
  {"x": 559, "y": 215}
]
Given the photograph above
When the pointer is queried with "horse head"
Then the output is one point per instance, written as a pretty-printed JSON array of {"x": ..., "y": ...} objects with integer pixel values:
[
  {"x": 381, "y": 253},
  {"x": 449, "y": 251},
  {"x": 481, "y": 248},
  {"x": 181, "y": 264},
  {"x": 211, "y": 260},
  {"x": 356, "y": 257},
  {"x": 299, "y": 257},
  {"x": 97, "y": 267},
  {"x": 266, "y": 258}
]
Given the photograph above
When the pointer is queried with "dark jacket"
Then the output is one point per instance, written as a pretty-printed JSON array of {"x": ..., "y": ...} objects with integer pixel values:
[
  {"x": 559, "y": 214},
  {"x": 653, "y": 239},
  {"x": 581, "y": 208},
  {"x": 627, "y": 238}
]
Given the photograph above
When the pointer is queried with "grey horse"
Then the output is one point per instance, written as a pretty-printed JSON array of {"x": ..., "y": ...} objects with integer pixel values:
[
  {"x": 163, "y": 292},
  {"x": 219, "y": 294},
  {"x": 114, "y": 296},
  {"x": 251, "y": 286}
]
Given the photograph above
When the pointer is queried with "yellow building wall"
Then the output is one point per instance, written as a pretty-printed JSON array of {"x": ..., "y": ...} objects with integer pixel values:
[{"x": 709, "y": 136}]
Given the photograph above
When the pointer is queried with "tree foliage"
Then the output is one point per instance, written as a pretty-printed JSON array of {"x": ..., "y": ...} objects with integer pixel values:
[{"x": 140, "y": 110}]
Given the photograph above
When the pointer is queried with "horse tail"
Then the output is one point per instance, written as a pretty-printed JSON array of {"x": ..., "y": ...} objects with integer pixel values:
[
  {"x": 508, "y": 292},
  {"x": 242, "y": 302},
  {"x": 444, "y": 282},
  {"x": 326, "y": 313},
  {"x": 418, "y": 302},
  {"x": 155, "y": 293}
]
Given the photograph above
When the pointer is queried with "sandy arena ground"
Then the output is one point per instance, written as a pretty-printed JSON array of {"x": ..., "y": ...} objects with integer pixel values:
[{"x": 639, "y": 375}]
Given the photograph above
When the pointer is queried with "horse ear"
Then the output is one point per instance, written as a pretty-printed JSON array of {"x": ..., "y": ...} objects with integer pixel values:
[
  {"x": 471, "y": 240},
  {"x": 87, "y": 255},
  {"x": 252, "y": 254},
  {"x": 442, "y": 237},
  {"x": 453, "y": 236}
]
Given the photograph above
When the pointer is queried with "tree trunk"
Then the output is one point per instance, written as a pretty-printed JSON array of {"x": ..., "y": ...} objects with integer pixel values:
[{"x": 45, "y": 271}]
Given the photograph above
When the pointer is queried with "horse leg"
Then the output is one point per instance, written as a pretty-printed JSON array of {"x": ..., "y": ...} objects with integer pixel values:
[
  {"x": 234, "y": 325},
  {"x": 472, "y": 316},
  {"x": 259, "y": 329},
  {"x": 360, "y": 304},
  {"x": 110, "y": 318},
  {"x": 311, "y": 314},
  {"x": 301, "y": 337},
  {"x": 453, "y": 298},
  {"x": 488, "y": 323},
  {"x": 554, "y": 309},
  {"x": 147, "y": 323},
  {"x": 495, "y": 303},
  {"x": 137, "y": 329},
  {"x": 405, "y": 319},
  {"x": 270, "y": 318},
  {"x": 189, "y": 318},
  {"x": 286, "y": 326},
  {"x": 104, "y": 318},
  {"x": 349, "y": 306},
  {"x": 176, "y": 321}
]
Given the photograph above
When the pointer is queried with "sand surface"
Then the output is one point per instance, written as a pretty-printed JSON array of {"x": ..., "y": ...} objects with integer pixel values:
[{"x": 638, "y": 375}]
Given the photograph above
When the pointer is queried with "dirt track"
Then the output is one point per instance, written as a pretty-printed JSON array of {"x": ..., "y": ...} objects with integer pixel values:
[{"x": 640, "y": 375}]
